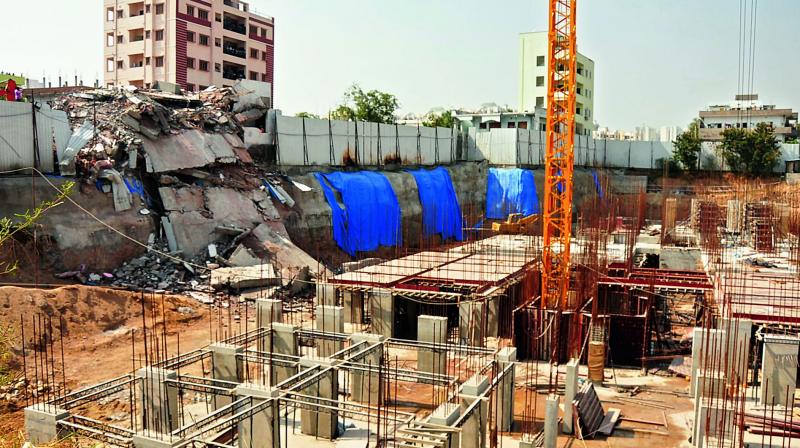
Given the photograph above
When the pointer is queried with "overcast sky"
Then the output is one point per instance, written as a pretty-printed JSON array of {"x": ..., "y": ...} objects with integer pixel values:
[{"x": 657, "y": 61}]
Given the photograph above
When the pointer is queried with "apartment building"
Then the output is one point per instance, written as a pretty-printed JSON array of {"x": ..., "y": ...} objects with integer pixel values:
[
  {"x": 192, "y": 43},
  {"x": 746, "y": 112},
  {"x": 533, "y": 81}
]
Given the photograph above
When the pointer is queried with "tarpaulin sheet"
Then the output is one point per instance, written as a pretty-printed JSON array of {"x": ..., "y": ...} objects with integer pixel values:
[
  {"x": 510, "y": 190},
  {"x": 441, "y": 213},
  {"x": 597, "y": 185},
  {"x": 369, "y": 215}
]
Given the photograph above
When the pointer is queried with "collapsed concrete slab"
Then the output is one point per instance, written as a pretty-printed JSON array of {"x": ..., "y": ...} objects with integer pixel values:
[{"x": 245, "y": 277}]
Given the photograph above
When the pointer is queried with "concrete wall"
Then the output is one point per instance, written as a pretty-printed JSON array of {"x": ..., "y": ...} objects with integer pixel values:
[{"x": 310, "y": 141}]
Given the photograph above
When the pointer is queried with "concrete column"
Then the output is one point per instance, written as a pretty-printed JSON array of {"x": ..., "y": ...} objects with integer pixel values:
[
  {"x": 504, "y": 393},
  {"x": 432, "y": 329},
  {"x": 738, "y": 348},
  {"x": 570, "y": 389},
  {"x": 472, "y": 323},
  {"x": 321, "y": 422},
  {"x": 474, "y": 427},
  {"x": 551, "y": 421},
  {"x": 446, "y": 415},
  {"x": 326, "y": 294},
  {"x": 159, "y": 402},
  {"x": 365, "y": 387},
  {"x": 381, "y": 306},
  {"x": 268, "y": 311},
  {"x": 284, "y": 342},
  {"x": 710, "y": 384},
  {"x": 779, "y": 370},
  {"x": 329, "y": 319},
  {"x": 261, "y": 430},
  {"x": 493, "y": 316},
  {"x": 353, "y": 307},
  {"x": 708, "y": 348},
  {"x": 226, "y": 366},
  {"x": 41, "y": 423},
  {"x": 712, "y": 419}
]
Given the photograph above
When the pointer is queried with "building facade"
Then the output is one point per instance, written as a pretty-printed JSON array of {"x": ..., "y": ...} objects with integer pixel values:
[
  {"x": 533, "y": 81},
  {"x": 191, "y": 43},
  {"x": 746, "y": 112}
]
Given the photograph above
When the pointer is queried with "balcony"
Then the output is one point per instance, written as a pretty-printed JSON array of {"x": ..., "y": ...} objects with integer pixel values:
[
  {"x": 233, "y": 71},
  {"x": 235, "y": 26},
  {"x": 244, "y": 7}
]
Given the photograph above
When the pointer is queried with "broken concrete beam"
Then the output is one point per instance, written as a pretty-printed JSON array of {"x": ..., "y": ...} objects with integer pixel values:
[
  {"x": 250, "y": 117},
  {"x": 245, "y": 277},
  {"x": 242, "y": 257}
]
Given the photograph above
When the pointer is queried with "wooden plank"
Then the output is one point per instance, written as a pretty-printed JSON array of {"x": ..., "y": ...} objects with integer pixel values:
[{"x": 609, "y": 422}]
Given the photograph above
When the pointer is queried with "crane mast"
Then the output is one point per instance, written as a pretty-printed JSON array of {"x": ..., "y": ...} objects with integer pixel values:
[{"x": 559, "y": 155}]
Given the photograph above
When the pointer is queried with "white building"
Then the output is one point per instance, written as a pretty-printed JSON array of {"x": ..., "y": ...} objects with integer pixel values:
[
  {"x": 746, "y": 112},
  {"x": 533, "y": 81},
  {"x": 669, "y": 133}
]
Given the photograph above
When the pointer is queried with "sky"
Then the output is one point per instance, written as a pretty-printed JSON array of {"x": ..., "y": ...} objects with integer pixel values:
[{"x": 658, "y": 62}]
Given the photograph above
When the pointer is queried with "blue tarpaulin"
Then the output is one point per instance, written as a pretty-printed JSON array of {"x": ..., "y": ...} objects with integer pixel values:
[
  {"x": 510, "y": 190},
  {"x": 441, "y": 213},
  {"x": 368, "y": 215},
  {"x": 597, "y": 184}
]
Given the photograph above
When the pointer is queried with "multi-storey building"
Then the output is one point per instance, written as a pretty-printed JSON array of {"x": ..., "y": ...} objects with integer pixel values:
[
  {"x": 745, "y": 112},
  {"x": 533, "y": 81},
  {"x": 192, "y": 43}
]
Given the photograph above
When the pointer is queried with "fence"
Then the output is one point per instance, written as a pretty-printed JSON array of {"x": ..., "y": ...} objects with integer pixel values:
[{"x": 20, "y": 147}]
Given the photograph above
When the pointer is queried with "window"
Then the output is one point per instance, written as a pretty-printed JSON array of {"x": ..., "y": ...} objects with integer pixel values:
[
  {"x": 190, "y": 10},
  {"x": 190, "y": 62},
  {"x": 254, "y": 76},
  {"x": 540, "y": 61},
  {"x": 253, "y": 30},
  {"x": 217, "y": 42},
  {"x": 202, "y": 13},
  {"x": 539, "y": 81},
  {"x": 254, "y": 53},
  {"x": 120, "y": 39},
  {"x": 147, "y": 34},
  {"x": 204, "y": 68},
  {"x": 120, "y": 14},
  {"x": 110, "y": 15},
  {"x": 539, "y": 101},
  {"x": 110, "y": 40},
  {"x": 110, "y": 64},
  {"x": 263, "y": 32},
  {"x": 147, "y": 60},
  {"x": 218, "y": 17},
  {"x": 159, "y": 61},
  {"x": 160, "y": 8},
  {"x": 522, "y": 125},
  {"x": 202, "y": 87},
  {"x": 204, "y": 40},
  {"x": 190, "y": 36},
  {"x": 147, "y": 8},
  {"x": 263, "y": 77},
  {"x": 511, "y": 125},
  {"x": 217, "y": 67},
  {"x": 120, "y": 65},
  {"x": 159, "y": 34},
  {"x": 147, "y": 85},
  {"x": 190, "y": 87}
]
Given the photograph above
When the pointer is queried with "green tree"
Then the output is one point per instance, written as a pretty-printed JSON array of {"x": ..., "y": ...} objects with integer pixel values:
[
  {"x": 752, "y": 152},
  {"x": 687, "y": 147},
  {"x": 373, "y": 105},
  {"x": 442, "y": 120},
  {"x": 306, "y": 115}
]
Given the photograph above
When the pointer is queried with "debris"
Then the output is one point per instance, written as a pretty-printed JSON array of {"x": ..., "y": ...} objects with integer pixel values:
[
  {"x": 245, "y": 277},
  {"x": 243, "y": 257}
]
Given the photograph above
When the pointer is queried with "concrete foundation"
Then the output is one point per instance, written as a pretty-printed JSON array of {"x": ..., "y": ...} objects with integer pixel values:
[
  {"x": 41, "y": 423},
  {"x": 472, "y": 323},
  {"x": 150, "y": 439},
  {"x": 446, "y": 415},
  {"x": 504, "y": 393},
  {"x": 261, "y": 430},
  {"x": 551, "y": 421},
  {"x": 381, "y": 305},
  {"x": 779, "y": 370},
  {"x": 284, "y": 342},
  {"x": 570, "y": 389},
  {"x": 321, "y": 422},
  {"x": 159, "y": 401},
  {"x": 329, "y": 319},
  {"x": 474, "y": 427},
  {"x": 353, "y": 302},
  {"x": 432, "y": 329},
  {"x": 366, "y": 387}
]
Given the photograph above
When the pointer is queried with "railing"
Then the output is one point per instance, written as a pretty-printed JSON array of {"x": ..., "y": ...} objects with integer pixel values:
[
  {"x": 240, "y": 6},
  {"x": 235, "y": 51},
  {"x": 233, "y": 74}
]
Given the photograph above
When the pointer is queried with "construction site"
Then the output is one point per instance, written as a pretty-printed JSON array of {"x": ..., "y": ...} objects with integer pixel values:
[{"x": 205, "y": 272}]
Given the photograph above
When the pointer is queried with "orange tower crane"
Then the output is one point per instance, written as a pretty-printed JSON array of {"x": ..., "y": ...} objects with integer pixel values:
[{"x": 559, "y": 156}]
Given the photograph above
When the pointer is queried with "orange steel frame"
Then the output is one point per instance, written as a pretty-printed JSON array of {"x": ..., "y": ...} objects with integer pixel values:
[{"x": 559, "y": 156}]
